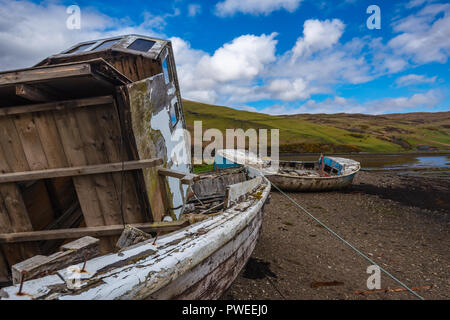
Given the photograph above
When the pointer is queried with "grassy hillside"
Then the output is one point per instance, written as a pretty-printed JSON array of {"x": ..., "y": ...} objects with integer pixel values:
[{"x": 333, "y": 132}]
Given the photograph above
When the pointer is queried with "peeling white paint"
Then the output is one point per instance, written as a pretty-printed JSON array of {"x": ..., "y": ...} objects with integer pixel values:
[
  {"x": 174, "y": 146},
  {"x": 175, "y": 254}
]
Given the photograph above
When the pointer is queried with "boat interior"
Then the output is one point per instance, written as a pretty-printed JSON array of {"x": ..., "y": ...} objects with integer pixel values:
[{"x": 306, "y": 168}]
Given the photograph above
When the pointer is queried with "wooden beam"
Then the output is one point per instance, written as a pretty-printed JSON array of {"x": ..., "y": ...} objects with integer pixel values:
[
  {"x": 101, "y": 231},
  {"x": 32, "y": 93},
  {"x": 131, "y": 236},
  {"x": 79, "y": 171},
  {"x": 186, "y": 178},
  {"x": 70, "y": 254},
  {"x": 42, "y": 74},
  {"x": 57, "y": 105}
]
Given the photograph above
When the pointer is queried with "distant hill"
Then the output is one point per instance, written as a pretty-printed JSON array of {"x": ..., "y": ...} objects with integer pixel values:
[{"x": 333, "y": 133}]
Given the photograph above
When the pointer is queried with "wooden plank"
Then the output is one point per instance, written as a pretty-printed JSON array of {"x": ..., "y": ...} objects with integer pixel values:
[
  {"x": 140, "y": 68},
  {"x": 4, "y": 276},
  {"x": 31, "y": 142},
  {"x": 131, "y": 69},
  {"x": 50, "y": 140},
  {"x": 100, "y": 231},
  {"x": 70, "y": 254},
  {"x": 129, "y": 142},
  {"x": 186, "y": 178},
  {"x": 57, "y": 105},
  {"x": 93, "y": 147},
  {"x": 32, "y": 93},
  {"x": 42, "y": 74},
  {"x": 12, "y": 158},
  {"x": 131, "y": 236},
  {"x": 79, "y": 171},
  {"x": 141, "y": 105},
  {"x": 240, "y": 190},
  {"x": 114, "y": 150},
  {"x": 13, "y": 212},
  {"x": 73, "y": 148},
  {"x": 37, "y": 199}
]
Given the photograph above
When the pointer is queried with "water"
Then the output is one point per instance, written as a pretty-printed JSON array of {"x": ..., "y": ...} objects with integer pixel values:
[{"x": 429, "y": 165}]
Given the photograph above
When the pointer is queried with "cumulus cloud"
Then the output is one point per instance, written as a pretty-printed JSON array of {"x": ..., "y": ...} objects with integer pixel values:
[
  {"x": 231, "y": 68},
  {"x": 30, "y": 32},
  {"x": 318, "y": 35},
  {"x": 320, "y": 60},
  {"x": 255, "y": 7},
  {"x": 244, "y": 58},
  {"x": 247, "y": 69},
  {"x": 412, "y": 79}
]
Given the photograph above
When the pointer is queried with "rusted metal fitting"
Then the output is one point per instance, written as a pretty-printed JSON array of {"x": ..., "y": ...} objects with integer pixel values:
[{"x": 22, "y": 280}]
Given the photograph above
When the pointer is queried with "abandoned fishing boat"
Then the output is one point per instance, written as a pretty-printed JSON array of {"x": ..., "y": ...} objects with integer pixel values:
[
  {"x": 97, "y": 198},
  {"x": 327, "y": 173}
]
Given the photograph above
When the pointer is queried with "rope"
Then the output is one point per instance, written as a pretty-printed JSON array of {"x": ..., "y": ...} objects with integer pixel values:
[
  {"x": 343, "y": 240},
  {"x": 276, "y": 288}
]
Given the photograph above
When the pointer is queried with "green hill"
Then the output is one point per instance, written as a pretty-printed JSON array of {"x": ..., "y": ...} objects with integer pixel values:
[{"x": 333, "y": 132}]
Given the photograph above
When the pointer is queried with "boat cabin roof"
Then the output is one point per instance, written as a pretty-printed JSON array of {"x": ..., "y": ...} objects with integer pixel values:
[{"x": 132, "y": 44}]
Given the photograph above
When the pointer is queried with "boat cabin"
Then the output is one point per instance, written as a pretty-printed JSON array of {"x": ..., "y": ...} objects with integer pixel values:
[{"x": 91, "y": 139}]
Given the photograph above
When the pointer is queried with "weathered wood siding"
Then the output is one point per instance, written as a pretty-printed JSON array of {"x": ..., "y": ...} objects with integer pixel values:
[{"x": 59, "y": 139}]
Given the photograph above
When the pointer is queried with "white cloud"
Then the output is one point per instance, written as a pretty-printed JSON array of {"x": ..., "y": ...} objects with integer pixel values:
[
  {"x": 255, "y": 7},
  {"x": 338, "y": 104},
  {"x": 321, "y": 61},
  {"x": 318, "y": 35},
  {"x": 194, "y": 9},
  {"x": 247, "y": 68},
  {"x": 424, "y": 37},
  {"x": 30, "y": 32},
  {"x": 244, "y": 58},
  {"x": 288, "y": 89},
  {"x": 412, "y": 79},
  {"x": 231, "y": 69}
]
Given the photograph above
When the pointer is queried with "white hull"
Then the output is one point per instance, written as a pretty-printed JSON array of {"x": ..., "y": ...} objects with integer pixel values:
[{"x": 197, "y": 262}]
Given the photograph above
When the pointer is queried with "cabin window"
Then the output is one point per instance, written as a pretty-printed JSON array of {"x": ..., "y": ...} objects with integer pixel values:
[
  {"x": 81, "y": 48},
  {"x": 106, "y": 44},
  {"x": 166, "y": 71},
  {"x": 141, "y": 45},
  {"x": 174, "y": 114}
]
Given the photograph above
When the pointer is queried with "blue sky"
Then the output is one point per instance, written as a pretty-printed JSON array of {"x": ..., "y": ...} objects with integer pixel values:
[{"x": 271, "y": 56}]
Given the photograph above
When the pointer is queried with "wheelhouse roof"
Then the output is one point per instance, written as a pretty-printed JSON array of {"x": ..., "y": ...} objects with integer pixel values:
[{"x": 133, "y": 44}]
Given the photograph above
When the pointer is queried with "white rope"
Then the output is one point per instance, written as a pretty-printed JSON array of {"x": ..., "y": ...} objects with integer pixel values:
[{"x": 343, "y": 240}]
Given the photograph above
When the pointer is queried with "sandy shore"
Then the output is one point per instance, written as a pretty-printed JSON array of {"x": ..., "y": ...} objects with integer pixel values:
[{"x": 403, "y": 223}]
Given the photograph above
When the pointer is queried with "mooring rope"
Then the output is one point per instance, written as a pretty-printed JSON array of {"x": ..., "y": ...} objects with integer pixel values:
[{"x": 342, "y": 239}]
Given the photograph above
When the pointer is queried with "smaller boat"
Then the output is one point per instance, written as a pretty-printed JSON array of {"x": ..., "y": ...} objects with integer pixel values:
[{"x": 327, "y": 173}]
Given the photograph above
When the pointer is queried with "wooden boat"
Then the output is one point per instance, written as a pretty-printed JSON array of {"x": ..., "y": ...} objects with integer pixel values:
[
  {"x": 97, "y": 198},
  {"x": 327, "y": 173}
]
